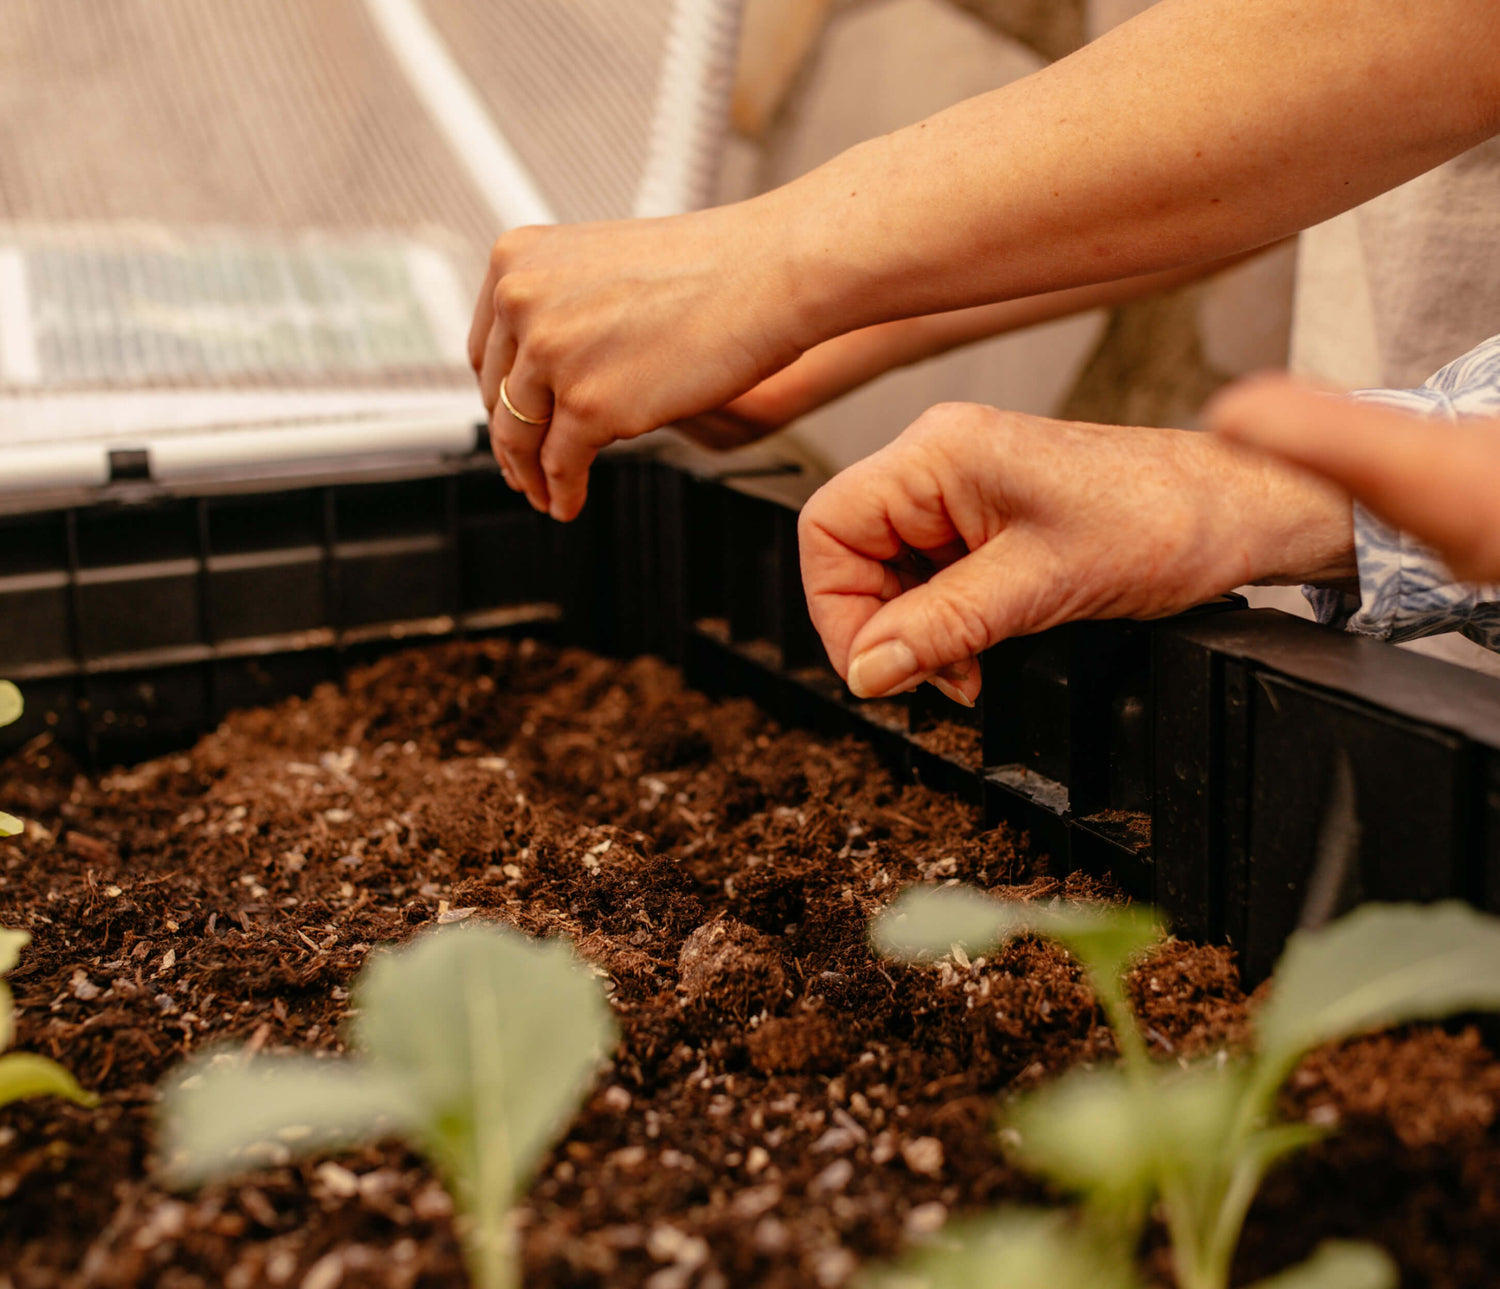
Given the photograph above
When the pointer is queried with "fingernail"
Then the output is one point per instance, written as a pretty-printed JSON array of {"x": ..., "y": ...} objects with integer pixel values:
[
  {"x": 958, "y": 670},
  {"x": 881, "y": 668},
  {"x": 951, "y": 692}
]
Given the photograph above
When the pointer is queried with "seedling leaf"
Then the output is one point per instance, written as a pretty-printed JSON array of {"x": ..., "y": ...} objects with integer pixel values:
[
  {"x": 224, "y": 1114},
  {"x": 474, "y": 1043},
  {"x": 1339, "y": 1264},
  {"x": 1108, "y": 1134},
  {"x": 925, "y": 922},
  {"x": 1381, "y": 965},
  {"x": 497, "y": 1035},
  {"x": 11, "y": 708},
  {"x": 24, "y": 1074},
  {"x": 11, "y": 944},
  {"x": 11, "y": 705},
  {"x": 1103, "y": 937},
  {"x": 1015, "y": 1249},
  {"x": 1088, "y": 1132}
]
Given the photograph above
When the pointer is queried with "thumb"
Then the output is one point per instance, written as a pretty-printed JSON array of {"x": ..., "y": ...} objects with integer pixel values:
[{"x": 943, "y": 625}]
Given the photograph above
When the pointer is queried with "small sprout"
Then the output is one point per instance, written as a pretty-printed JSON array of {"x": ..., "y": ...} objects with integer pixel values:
[
  {"x": 11, "y": 708},
  {"x": 11, "y": 705},
  {"x": 24, "y": 1074},
  {"x": 474, "y": 1043},
  {"x": 1199, "y": 1140},
  {"x": 1338, "y": 1264},
  {"x": 1016, "y": 1248}
]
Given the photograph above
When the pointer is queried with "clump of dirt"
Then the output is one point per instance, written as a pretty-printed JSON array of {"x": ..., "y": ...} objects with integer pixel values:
[
  {"x": 782, "y": 1107},
  {"x": 730, "y": 968}
]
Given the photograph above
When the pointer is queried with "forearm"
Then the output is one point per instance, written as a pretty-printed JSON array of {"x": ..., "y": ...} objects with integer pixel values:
[
  {"x": 909, "y": 340},
  {"x": 833, "y": 368},
  {"x": 1199, "y": 130}
]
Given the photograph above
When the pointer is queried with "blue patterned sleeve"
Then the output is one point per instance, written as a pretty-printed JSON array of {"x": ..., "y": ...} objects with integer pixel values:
[{"x": 1405, "y": 590}]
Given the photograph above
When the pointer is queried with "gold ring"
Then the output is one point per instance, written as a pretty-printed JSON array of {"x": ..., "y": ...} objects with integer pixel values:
[{"x": 511, "y": 407}]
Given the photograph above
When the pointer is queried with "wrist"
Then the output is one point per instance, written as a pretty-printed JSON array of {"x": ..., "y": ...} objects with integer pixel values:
[
  {"x": 1297, "y": 529},
  {"x": 833, "y": 276}
]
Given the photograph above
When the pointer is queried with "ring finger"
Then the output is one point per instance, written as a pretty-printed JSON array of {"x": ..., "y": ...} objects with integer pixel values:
[{"x": 522, "y": 440}]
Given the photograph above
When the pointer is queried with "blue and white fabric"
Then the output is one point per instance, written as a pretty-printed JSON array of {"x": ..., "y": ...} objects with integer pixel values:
[{"x": 1405, "y": 589}]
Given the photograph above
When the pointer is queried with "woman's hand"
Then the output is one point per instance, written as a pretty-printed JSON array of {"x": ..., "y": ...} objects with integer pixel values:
[
  {"x": 1435, "y": 479},
  {"x": 606, "y": 331},
  {"x": 976, "y": 525}
]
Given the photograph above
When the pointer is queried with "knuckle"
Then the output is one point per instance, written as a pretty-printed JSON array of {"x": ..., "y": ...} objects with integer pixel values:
[
  {"x": 955, "y": 628},
  {"x": 543, "y": 347},
  {"x": 509, "y": 434},
  {"x": 515, "y": 293},
  {"x": 510, "y": 245},
  {"x": 584, "y": 403}
]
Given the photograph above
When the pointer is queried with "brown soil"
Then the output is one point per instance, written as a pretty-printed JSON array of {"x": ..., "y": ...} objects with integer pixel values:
[
  {"x": 782, "y": 1108},
  {"x": 959, "y": 743}
]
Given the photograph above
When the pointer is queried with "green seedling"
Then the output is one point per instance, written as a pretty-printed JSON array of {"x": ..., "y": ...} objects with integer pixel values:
[
  {"x": 1198, "y": 1140},
  {"x": 11, "y": 708},
  {"x": 475, "y": 1044},
  {"x": 24, "y": 1074}
]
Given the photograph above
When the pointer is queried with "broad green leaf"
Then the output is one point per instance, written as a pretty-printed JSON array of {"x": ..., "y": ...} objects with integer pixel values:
[
  {"x": 11, "y": 944},
  {"x": 1014, "y": 1249},
  {"x": 497, "y": 1035},
  {"x": 1106, "y": 1133},
  {"x": 1382, "y": 965},
  {"x": 1339, "y": 1265},
  {"x": 1088, "y": 1132},
  {"x": 925, "y": 922},
  {"x": 10, "y": 826},
  {"x": 223, "y": 1114},
  {"x": 24, "y": 1074},
  {"x": 11, "y": 705}
]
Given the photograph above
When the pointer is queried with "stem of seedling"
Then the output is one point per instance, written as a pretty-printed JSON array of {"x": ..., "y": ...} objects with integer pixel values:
[
  {"x": 1185, "y": 1219},
  {"x": 491, "y": 1236}
]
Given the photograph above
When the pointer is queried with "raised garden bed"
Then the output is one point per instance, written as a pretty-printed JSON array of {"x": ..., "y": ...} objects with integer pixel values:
[
  {"x": 1189, "y": 759},
  {"x": 783, "y": 1106}
]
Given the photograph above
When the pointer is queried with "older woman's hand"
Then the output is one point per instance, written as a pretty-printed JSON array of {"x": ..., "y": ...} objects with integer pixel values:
[
  {"x": 975, "y": 525},
  {"x": 1438, "y": 480}
]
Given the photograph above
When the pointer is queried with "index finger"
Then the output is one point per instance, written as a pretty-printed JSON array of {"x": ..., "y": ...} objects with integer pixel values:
[
  {"x": 849, "y": 534},
  {"x": 1434, "y": 478}
]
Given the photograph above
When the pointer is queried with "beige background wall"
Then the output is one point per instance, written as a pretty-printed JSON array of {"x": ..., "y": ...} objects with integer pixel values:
[{"x": 820, "y": 75}]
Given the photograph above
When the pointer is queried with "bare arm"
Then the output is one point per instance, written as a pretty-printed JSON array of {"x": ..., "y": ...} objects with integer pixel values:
[
  {"x": 1199, "y": 130},
  {"x": 834, "y": 368}
]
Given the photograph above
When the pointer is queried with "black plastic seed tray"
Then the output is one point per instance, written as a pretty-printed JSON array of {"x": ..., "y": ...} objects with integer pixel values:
[{"x": 1192, "y": 758}]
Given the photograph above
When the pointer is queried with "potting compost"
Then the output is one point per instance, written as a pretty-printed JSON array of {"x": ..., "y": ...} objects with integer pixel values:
[{"x": 784, "y": 1107}]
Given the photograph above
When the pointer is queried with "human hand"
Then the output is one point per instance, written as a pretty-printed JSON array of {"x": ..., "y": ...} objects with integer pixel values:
[
  {"x": 612, "y": 330},
  {"x": 1435, "y": 479},
  {"x": 1028, "y": 523}
]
